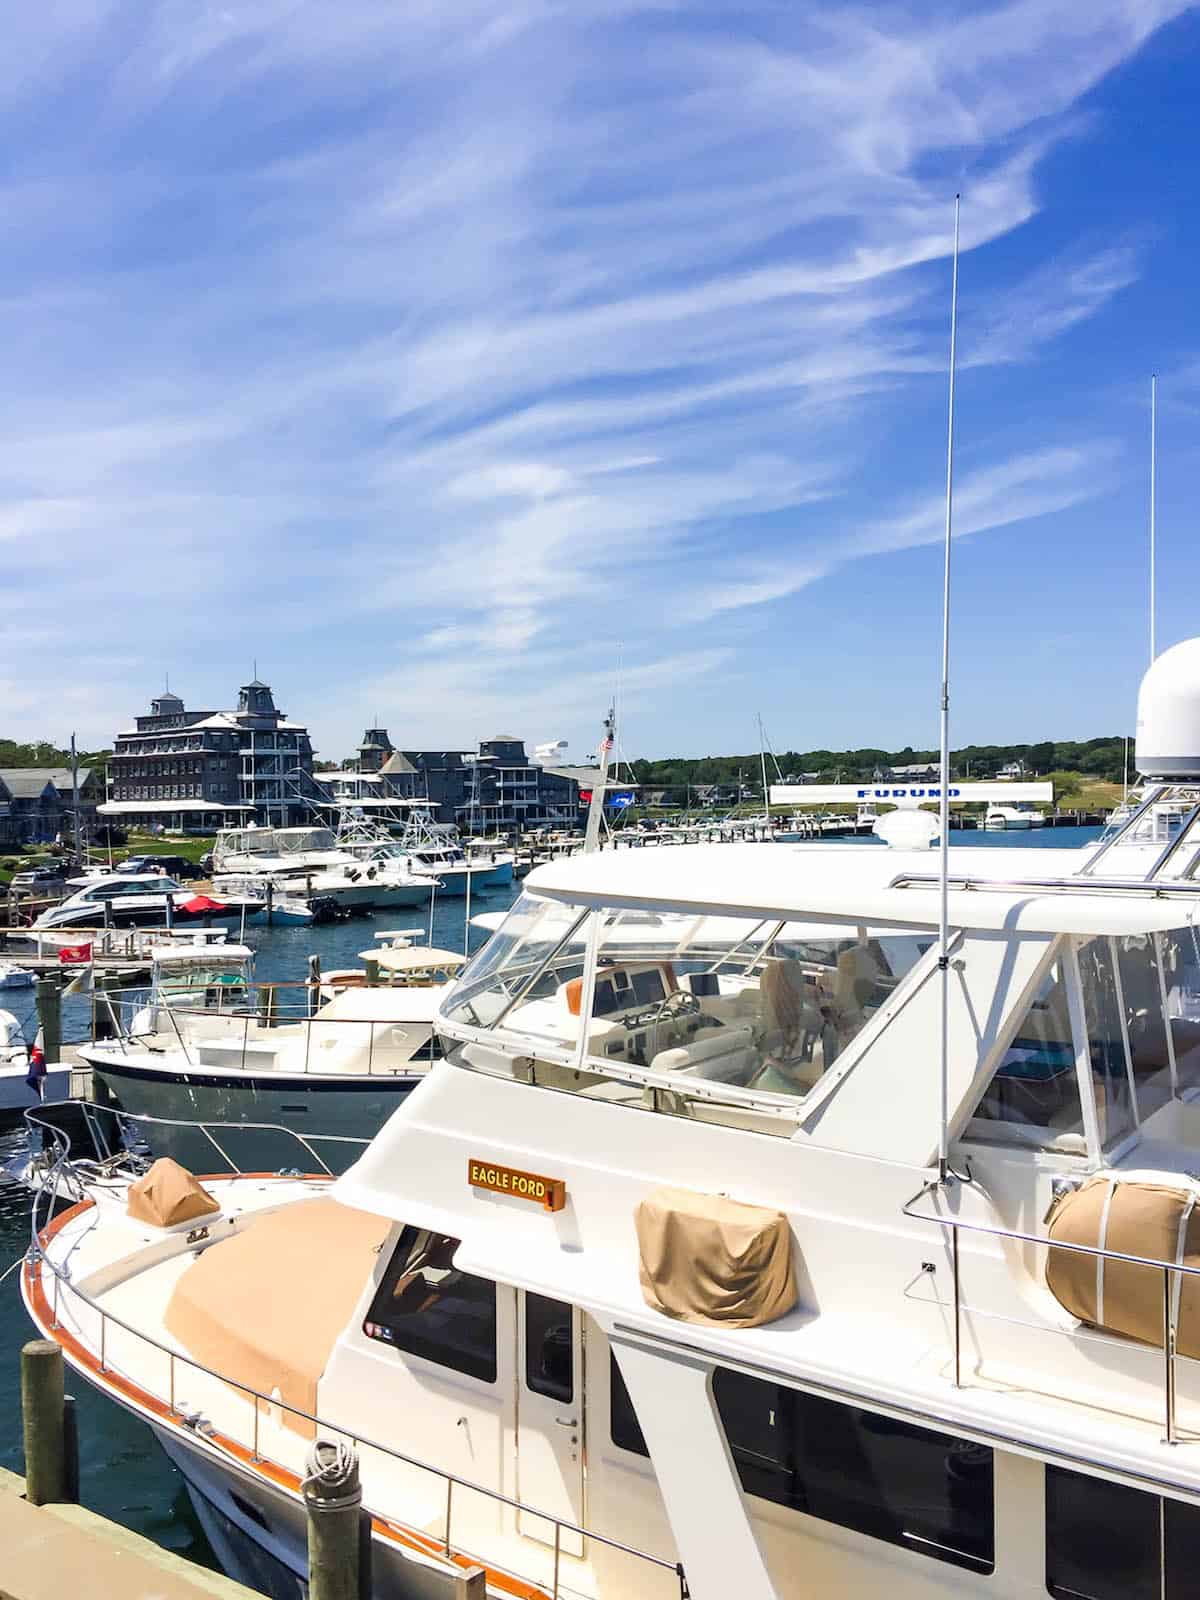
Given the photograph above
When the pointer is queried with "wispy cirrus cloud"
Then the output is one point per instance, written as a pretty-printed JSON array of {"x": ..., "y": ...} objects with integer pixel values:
[{"x": 476, "y": 331}]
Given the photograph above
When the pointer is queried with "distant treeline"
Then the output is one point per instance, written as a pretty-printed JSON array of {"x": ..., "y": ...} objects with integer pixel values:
[
  {"x": 1095, "y": 758},
  {"x": 13, "y": 754}
]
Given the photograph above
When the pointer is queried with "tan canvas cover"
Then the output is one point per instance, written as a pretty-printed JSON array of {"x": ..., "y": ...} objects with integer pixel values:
[
  {"x": 1142, "y": 1214},
  {"x": 265, "y": 1306},
  {"x": 167, "y": 1195},
  {"x": 707, "y": 1259}
]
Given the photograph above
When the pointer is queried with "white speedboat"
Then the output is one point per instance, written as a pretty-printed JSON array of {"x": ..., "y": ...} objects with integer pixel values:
[
  {"x": 14, "y": 977},
  {"x": 144, "y": 899},
  {"x": 1006, "y": 817}
]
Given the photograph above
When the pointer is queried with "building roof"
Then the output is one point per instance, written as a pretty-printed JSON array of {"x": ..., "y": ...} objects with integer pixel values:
[
  {"x": 397, "y": 764},
  {"x": 27, "y": 783},
  {"x": 61, "y": 778}
]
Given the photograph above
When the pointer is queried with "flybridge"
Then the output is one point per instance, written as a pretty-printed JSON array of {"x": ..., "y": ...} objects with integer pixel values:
[{"x": 823, "y": 794}]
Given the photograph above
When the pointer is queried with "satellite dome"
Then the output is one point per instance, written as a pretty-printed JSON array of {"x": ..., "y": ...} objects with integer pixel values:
[{"x": 1168, "y": 715}]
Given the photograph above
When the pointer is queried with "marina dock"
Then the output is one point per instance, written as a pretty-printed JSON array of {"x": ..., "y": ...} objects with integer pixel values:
[{"x": 56, "y": 1550}]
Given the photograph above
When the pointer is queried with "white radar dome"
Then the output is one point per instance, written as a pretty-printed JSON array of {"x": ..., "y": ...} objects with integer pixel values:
[{"x": 1168, "y": 715}]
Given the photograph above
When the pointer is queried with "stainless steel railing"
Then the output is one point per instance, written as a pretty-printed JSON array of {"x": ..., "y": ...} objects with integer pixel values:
[
  {"x": 40, "y": 1259},
  {"x": 1170, "y": 1271},
  {"x": 255, "y": 1012}
]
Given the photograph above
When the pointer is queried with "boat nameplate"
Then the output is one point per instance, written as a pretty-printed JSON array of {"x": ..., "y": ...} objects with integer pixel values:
[{"x": 531, "y": 1186}]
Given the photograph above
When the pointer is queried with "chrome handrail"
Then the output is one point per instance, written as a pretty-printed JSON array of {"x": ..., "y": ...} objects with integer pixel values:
[
  {"x": 93, "y": 1108},
  {"x": 38, "y": 1256},
  {"x": 127, "y": 1008},
  {"x": 1168, "y": 1268}
]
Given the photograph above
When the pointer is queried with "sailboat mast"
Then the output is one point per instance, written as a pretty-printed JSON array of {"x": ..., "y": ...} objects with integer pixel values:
[
  {"x": 944, "y": 798},
  {"x": 762, "y": 750}
]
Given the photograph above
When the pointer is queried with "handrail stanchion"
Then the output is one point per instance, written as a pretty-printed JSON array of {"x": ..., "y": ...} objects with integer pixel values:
[
  {"x": 957, "y": 1309},
  {"x": 370, "y": 1046},
  {"x": 557, "y": 1555},
  {"x": 449, "y": 1498},
  {"x": 307, "y": 1040},
  {"x": 1169, "y": 1357},
  {"x": 171, "y": 1365}
]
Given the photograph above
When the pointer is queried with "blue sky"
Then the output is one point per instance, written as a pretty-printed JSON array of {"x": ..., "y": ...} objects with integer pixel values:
[{"x": 459, "y": 361}]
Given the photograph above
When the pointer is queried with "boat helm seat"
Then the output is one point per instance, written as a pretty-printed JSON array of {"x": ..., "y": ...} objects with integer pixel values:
[{"x": 722, "y": 1055}]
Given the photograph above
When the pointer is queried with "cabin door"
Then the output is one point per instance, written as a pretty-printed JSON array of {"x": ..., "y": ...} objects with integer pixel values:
[{"x": 550, "y": 1418}]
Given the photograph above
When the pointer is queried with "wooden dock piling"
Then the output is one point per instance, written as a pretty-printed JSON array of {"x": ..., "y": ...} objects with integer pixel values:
[
  {"x": 334, "y": 1532},
  {"x": 43, "y": 1422}
]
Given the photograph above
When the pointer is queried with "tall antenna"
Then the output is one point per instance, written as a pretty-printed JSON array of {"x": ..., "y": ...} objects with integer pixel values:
[
  {"x": 1153, "y": 508},
  {"x": 944, "y": 799}
]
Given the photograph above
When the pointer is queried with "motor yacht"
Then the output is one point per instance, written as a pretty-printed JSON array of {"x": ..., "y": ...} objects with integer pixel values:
[
  {"x": 701, "y": 1264},
  {"x": 144, "y": 899}
]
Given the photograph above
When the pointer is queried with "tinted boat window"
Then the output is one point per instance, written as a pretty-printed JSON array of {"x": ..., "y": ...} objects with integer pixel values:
[
  {"x": 623, "y": 1423},
  {"x": 425, "y": 1306},
  {"x": 1107, "y": 1542},
  {"x": 549, "y": 1358},
  {"x": 927, "y": 1491}
]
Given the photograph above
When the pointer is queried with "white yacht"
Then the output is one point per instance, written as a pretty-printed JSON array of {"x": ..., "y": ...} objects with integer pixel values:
[
  {"x": 17, "y": 1092},
  {"x": 145, "y": 899},
  {"x": 696, "y": 1267},
  {"x": 310, "y": 863}
]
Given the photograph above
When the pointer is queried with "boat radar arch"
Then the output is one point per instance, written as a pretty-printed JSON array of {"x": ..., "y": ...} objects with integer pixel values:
[{"x": 1168, "y": 715}]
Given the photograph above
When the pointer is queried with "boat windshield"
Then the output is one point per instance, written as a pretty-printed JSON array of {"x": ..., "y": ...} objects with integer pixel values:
[{"x": 686, "y": 1000}]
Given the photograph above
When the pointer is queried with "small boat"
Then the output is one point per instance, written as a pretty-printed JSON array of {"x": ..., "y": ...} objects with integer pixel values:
[
  {"x": 1004, "y": 818},
  {"x": 14, "y": 977}
]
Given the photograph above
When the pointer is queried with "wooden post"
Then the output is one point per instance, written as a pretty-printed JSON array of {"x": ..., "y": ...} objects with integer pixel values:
[
  {"x": 42, "y": 1407},
  {"x": 314, "y": 984},
  {"x": 333, "y": 1536},
  {"x": 372, "y": 970},
  {"x": 49, "y": 1010},
  {"x": 471, "y": 1584}
]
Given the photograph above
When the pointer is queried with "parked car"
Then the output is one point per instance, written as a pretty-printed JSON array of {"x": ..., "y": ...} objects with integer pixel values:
[
  {"x": 38, "y": 880},
  {"x": 173, "y": 866}
]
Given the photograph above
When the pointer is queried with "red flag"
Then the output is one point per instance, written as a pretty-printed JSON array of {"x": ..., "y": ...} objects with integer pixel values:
[{"x": 72, "y": 954}]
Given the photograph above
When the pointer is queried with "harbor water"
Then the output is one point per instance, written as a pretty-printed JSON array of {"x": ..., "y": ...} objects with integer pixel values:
[{"x": 123, "y": 1475}]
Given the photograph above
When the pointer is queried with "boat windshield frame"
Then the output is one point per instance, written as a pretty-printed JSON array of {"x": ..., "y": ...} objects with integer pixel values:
[{"x": 754, "y": 946}]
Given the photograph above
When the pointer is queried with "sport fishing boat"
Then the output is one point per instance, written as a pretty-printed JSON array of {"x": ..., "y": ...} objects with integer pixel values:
[
  {"x": 701, "y": 1266},
  {"x": 435, "y": 850},
  {"x": 309, "y": 863},
  {"x": 264, "y": 1061}
]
